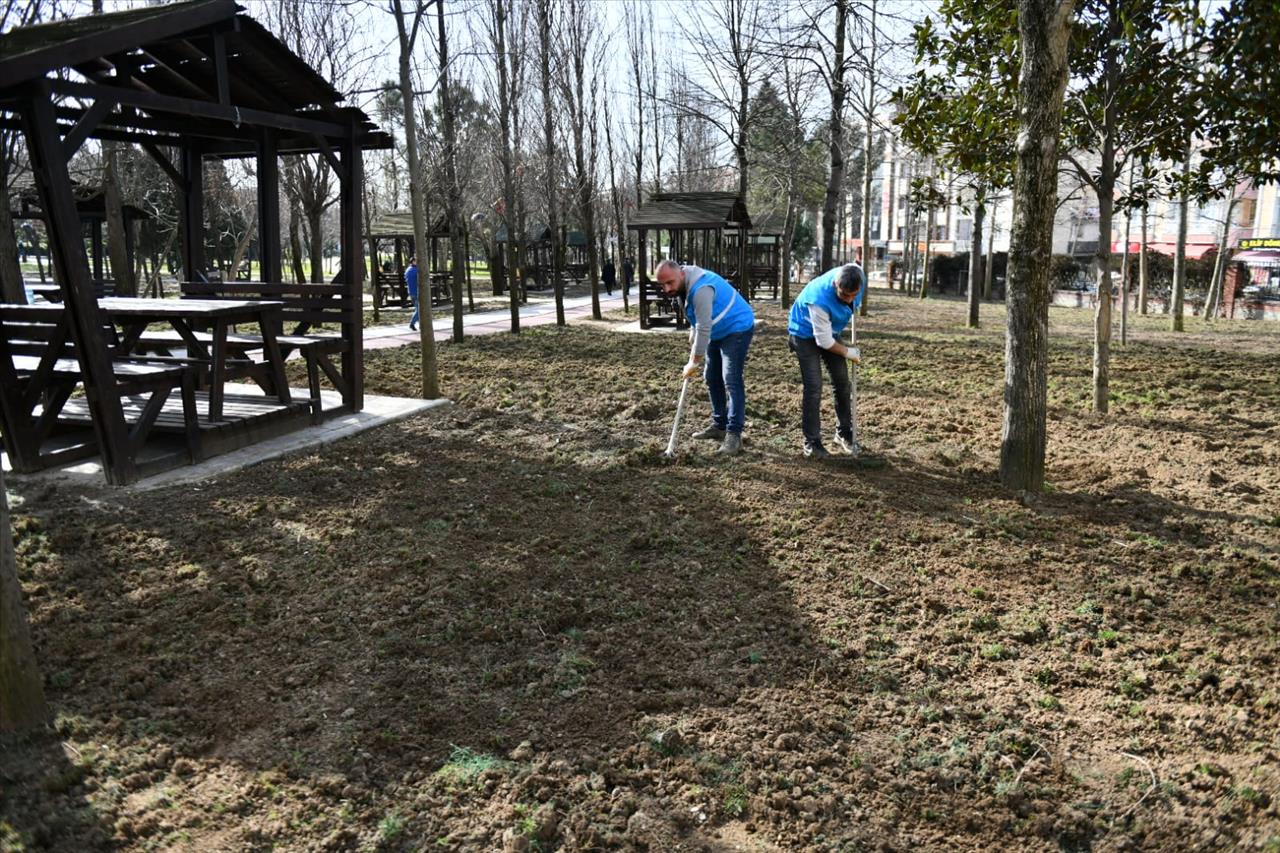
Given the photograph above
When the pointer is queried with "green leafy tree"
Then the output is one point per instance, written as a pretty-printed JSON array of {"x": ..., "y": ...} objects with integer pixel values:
[{"x": 960, "y": 107}]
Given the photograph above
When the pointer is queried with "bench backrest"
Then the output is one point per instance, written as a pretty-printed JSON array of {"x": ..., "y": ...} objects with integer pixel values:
[
  {"x": 32, "y": 330},
  {"x": 305, "y": 305}
]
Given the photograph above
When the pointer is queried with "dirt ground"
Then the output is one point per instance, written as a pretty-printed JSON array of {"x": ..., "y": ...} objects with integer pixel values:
[{"x": 511, "y": 626}]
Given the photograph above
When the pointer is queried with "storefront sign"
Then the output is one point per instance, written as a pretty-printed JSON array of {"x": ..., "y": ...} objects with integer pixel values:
[{"x": 1260, "y": 243}]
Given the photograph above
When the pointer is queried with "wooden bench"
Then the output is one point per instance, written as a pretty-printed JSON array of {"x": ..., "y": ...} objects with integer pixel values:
[
  {"x": 306, "y": 307},
  {"x": 39, "y": 370}
]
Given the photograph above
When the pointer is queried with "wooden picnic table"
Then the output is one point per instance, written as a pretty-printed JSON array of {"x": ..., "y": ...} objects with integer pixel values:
[{"x": 133, "y": 315}]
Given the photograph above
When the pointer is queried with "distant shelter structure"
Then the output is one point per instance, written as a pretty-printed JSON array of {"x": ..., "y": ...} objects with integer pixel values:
[
  {"x": 708, "y": 229},
  {"x": 391, "y": 245}
]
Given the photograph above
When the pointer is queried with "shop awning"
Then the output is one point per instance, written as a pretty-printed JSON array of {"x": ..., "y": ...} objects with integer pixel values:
[{"x": 1194, "y": 250}]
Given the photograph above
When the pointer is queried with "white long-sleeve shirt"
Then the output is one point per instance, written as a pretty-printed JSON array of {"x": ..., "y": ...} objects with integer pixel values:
[{"x": 822, "y": 334}]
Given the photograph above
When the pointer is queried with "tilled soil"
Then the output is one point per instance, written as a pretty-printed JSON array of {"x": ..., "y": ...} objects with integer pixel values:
[{"x": 512, "y": 626}]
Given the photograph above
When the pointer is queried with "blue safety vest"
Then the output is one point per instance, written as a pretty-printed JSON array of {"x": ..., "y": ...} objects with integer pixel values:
[
  {"x": 821, "y": 291},
  {"x": 730, "y": 313}
]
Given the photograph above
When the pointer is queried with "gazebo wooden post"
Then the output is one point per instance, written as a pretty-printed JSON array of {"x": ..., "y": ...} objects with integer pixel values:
[
  {"x": 375, "y": 267},
  {"x": 642, "y": 275},
  {"x": 192, "y": 213},
  {"x": 349, "y": 194},
  {"x": 66, "y": 252},
  {"x": 269, "y": 263},
  {"x": 744, "y": 275}
]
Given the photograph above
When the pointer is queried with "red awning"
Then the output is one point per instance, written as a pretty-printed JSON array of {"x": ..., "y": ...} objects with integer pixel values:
[
  {"x": 1258, "y": 255},
  {"x": 1194, "y": 250}
]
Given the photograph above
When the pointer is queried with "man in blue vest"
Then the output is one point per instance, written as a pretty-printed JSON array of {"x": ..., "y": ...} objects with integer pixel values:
[
  {"x": 723, "y": 324},
  {"x": 818, "y": 316}
]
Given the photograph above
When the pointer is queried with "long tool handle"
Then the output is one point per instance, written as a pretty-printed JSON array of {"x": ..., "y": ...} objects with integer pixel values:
[
  {"x": 853, "y": 386},
  {"x": 675, "y": 427}
]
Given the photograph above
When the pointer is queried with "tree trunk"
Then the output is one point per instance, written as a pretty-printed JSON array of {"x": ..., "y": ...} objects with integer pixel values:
[
  {"x": 407, "y": 37},
  {"x": 315, "y": 243},
  {"x": 508, "y": 167},
  {"x": 1124, "y": 266},
  {"x": 1044, "y": 27},
  {"x": 11, "y": 288},
  {"x": 242, "y": 246},
  {"x": 117, "y": 241},
  {"x": 1180, "y": 250},
  {"x": 452, "y": 192},
  {"x": 549, "y": 152},
  {"x": 1214, "y": 296},
  {"x": 868, "y": 145},
  {"x": 1142, "y": 265},
  {"x": 975, "y": 255},
  {"x": 621, "y": 244},
  {"x": 929, "y": 216},
  {"x": 989, "y": 269},
  {"x": 1106, "y": 189},
  {"x": 835, "y": 181},
  {"x": 22, "y": 704},
  {"x": 295, "y": 248}
]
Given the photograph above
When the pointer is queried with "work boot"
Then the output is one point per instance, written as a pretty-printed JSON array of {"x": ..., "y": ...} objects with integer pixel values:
[
  {"x": 732, "y": 444},
  {"x": 711, "y": 433},
  {"x": 846, "y": 444},
  {"x": 815, "y": 451},
  {"x": 412, "y": 327}
]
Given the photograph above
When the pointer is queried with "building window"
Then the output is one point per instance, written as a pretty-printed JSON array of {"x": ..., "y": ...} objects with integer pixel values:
[{"x": 964, "y": 229}]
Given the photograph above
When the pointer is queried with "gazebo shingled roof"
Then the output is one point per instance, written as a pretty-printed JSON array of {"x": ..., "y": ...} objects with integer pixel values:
[
  {"x": 195, "y": 68},
  {"x": 399, "y": 223},
  {"x": 691, "y": 210}
]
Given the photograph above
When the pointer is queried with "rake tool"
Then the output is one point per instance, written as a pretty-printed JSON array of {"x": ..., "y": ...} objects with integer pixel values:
[
  {"x": 684, "y": 393},
  {"x": 853, "y": 388}
]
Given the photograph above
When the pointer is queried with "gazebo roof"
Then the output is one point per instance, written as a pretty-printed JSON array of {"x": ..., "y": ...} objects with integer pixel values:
[
  {"x": 691, "y": 210},
  {"x": 539, "y": 233},
  {"x": 197, "y": 68},
  {"x": 399, "y": 223}
]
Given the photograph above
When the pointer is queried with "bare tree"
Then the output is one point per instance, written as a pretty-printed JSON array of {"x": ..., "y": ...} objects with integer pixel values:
[
  {"x": 549, "y": 155},
  {"x": 452, "y": 189},
  {"x": 583, "y": 54},
  {"x": 408, "y": 26}
]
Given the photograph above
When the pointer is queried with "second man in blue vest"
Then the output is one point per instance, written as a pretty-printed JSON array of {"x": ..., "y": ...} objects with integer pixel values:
[
  {"x": 818, "y": 316},
  {"x": 723, "y": 325}
]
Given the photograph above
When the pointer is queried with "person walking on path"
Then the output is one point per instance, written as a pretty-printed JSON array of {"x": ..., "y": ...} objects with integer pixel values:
[
  {"x": 723, "y": 325},
  {"x": 411, "y": 279},
  {"x": 818, "y": 316},
  {"x": 609, "y": 276},
  {"x": 628, "y": 275}
]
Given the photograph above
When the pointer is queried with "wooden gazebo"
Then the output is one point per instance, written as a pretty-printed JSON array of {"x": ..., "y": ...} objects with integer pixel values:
[
  {"x": 764, "y": 255},
  {"x": 704, "y": 228},
  {"x": 185, "y": 82},
  {"x": 391, "y": 245},
  {"x": 533, "y": 255},
  {"x": 91, "y": 208}
]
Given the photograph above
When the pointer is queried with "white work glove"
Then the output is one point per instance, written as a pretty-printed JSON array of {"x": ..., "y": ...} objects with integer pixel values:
[
  {"x": 853, "y": 354},
  {"x": 691, "y": 369}
]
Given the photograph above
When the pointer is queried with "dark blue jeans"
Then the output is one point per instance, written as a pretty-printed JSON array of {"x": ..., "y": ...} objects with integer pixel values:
[
  {"x": 811, "y": 358},
  {"x": 417, "y": 306},
  {"x": 725, "y": 361}
]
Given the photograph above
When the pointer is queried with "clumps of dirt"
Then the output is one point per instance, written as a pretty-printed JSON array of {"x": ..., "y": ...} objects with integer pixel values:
[{"x": 512, "y": 626}]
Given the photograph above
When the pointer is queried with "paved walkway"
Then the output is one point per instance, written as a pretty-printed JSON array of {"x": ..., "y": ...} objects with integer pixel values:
[{"x": 540, "y": 313}]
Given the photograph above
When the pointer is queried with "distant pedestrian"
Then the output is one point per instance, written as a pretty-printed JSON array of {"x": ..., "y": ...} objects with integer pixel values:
[
  {"x": 411, "y": 279},
  {"x": 628, "y": 275},
  {"x": 609, "y": 275}
]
